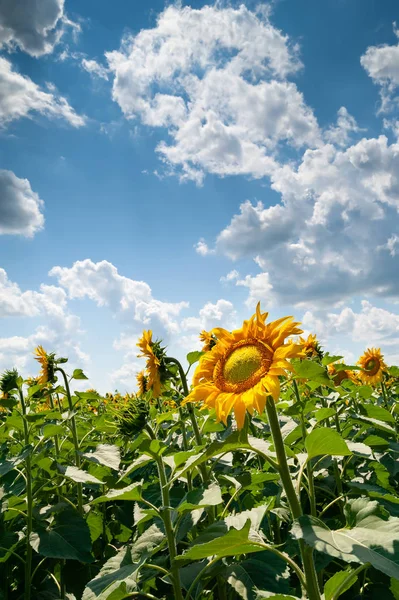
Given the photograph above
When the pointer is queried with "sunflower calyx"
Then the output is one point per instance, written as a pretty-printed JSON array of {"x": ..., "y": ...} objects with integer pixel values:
[
  {"x": 133, "y": 418},
  {"x": 9, "y": 382}
]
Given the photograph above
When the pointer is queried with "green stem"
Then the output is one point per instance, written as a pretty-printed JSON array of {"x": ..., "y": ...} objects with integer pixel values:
[
  {"x": 170, "y": 534},
  {"x": 74, "y": 437},
  {"x": 185, "y": 446},
  {"x": 341, "y": 588},
  {"x": 312, "y": 495},
  {"x": 293, "y": 500},
  {"x": 384, "y": 393},
  {"x": 29, "y": 502},
  {"x": 197, "y": 433}
]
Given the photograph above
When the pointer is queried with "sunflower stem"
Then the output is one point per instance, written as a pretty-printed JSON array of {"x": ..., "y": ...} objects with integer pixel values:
[
  {"x": 74, "y": 436},
  {"x": 29, "y": 501},
  {"x": 312, "y": 585},
  {"x": 384, "y": 395},
  {"x": 170, "y": 534}
]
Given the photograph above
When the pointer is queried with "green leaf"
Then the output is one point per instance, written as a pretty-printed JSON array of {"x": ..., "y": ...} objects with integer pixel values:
[
  {"x": 232, "y": 543},
  {"x": 324, "y": 441},
  {"x": 78, "y": 475},
  {"x": 394, "y": 587},
  {"x": 324, "y": 413},
  {"x": 336, "y": 581},
  {"x": 52, "y": 430},
  {"x": 8, "y": 402},
  {"x": 393, "y": 371},
  {"x": 8, "y": 465},
  {"x": 68, "y": 536},
  {"x": 131, "y": 492},
  {"x": 201, "y": 497},
  {"x": 106, "y": 455},
  {"x": 78, "y": 374},
  {"x": 327, "y": 359},
  {"x": 117, "y": 578},
  {"x": 357, "y": 509},
  {"x": 374, "y": 541},
  {"x": 193, "y": 357},
  {"x": 309, "y": 369},
  {"x": 264, "y": 571},
  {"x": 377, "y": 412}
]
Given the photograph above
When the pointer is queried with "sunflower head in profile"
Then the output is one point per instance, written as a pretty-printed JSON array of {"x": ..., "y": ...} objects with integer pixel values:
[
  {"x": 311, "y": 346},
  {"x": 142, "y": 382},
  {"x": 155, "y": 370},
  {"x": 372, "y": 366},
  {"x": 132, "y": 417},
  {"x": 47, "y": 362},
  {"x": 8, "y": 382},
  {"x": 208, "y": 340},
  {"x": 243, "y": 367}
]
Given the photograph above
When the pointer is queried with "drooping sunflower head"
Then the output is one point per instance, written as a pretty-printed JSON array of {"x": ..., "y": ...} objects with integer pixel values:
[
  {"x": 141, "y": 383},
  {"x": 155, "y": 368},
  {"x": 243, "y": 367},
  {"x": 8, "y": 382},
  {"x": 311, "y": 346},
  {"x": 132, "y": 417},
  {"x": 372, "y": 366},
  {"x": 208, "y": 339},
  {"x": 47, "y": 362}
]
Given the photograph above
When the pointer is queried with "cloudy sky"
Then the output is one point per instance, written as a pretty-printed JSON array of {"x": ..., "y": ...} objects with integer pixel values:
[{"x": 167, "y": 165}]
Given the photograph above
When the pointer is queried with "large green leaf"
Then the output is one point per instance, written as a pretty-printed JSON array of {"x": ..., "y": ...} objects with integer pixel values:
[
  {"x": 193, "y": 357},
  {"x": 67, "y": 536},
  {"x": 130, "y": 492},
  {"x": 308, "y": 369},
  {"x": 200, "y": 497},
  {"x": 263, "y": 571},
  {"x": 324, "y": 441},
  {"x": 373, "y": 540},
  {"x": 106, "y": 455},
  {"x": 78, "y": 475},
  {"x": 232, "y": 543},
  {"x": 117, "y": 578}
]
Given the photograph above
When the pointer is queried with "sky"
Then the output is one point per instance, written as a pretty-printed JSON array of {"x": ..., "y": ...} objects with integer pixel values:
[{"x": 167, "y": 165}]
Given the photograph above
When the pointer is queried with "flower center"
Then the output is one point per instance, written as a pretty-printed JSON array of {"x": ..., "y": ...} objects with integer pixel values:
[
  {"x": 372, "y": 366},
  {"x": 243, "y": 365}
]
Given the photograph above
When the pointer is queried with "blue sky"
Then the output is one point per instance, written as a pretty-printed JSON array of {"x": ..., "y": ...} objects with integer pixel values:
[{"x": 166, "y": 165}]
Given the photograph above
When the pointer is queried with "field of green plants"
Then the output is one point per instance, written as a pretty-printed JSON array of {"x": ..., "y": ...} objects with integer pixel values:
[{"x": 275, "y": 474}]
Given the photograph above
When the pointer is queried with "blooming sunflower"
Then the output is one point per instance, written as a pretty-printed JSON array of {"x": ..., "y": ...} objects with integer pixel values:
[
  {"x": 141, "y": 382},
  {"x": 146, "y": 346},
  {"x": 243, "y": 367},
  {"x": 338, "y": 376},
  {"x": 310, "y": 346},
  {"x": 208, "y": 339},
  {"x": 372, "y": 366}
]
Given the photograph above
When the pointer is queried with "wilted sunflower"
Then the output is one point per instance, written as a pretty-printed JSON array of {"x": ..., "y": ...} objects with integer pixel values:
[
  {"x": 148, "y": 349},
  {"x": 243, "y": 367},
  {"x": 310, "y": 346},
  {"x": 372, "y": 366},
  {"x": 208, "y": 339},
  {"x": 141, "y": 379},
  {"x": 47, "y": 363}
]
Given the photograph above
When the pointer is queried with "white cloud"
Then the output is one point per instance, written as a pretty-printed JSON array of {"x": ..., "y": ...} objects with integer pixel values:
[
  {"x": 34, "y": 27},
  {"x": 20, "y": 206},
  {"x": 260, "y": 289},
  {"x": 202, "y": 248},
  {"x": 127, "y": 298},
  {"x": 20, "y": 96},
  {"x": 94, "y": 68},
  {"x": 340, "y": 135},
  {"x": 219, "y": 314},
  {"x": 320, "y": 243},
  {"x": 392, "y": 245},
  {"x": 59, "y": 330},
  {"x": 225, "y": 102},
  {"x": 382, "y": 65},
  {"x": 231, "y": 276}
]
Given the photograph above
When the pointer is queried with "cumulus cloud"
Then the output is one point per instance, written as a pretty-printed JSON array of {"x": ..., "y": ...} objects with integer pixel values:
[
  {"x": 221, "y": 313},
  {"x": 34, "y": 27},
  {"x": 341, "y": 133},
  {"x": 382, "y": 65},
  {"x": 20, "y": 96},
  {"x": 226, "y": 104},
  {"x": 260, "y": 289},
  {"x": 20, "y": 206},
  {"x": 320, "y": 243},
  {"x": 94, "y": 68},
  {"x": 231, "y": 276},
  {"x": 59, "y": 330}
]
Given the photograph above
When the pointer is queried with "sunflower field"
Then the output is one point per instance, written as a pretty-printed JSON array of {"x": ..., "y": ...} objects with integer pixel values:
[{"x": 264, "y": 467}]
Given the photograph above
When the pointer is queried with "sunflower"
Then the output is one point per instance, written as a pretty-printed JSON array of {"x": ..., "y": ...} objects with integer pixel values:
[
  {"x": 141, "y": 382},
  {"x": 147, "y": 347},
  {"x": 44, "y": 359},
  {"x": 338, "y": 376},
  {"x": 372, "y": 366},
  {"x": 310, "y": 346},
  {"x": 208, "y": 339},
  {"x": 243, "y": 367}
]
